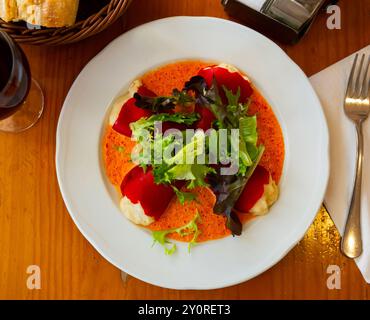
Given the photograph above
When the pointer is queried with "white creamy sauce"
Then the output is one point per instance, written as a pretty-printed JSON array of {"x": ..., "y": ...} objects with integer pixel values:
[
  {"x": 134, "y": 212},
  {"x": 120, "y": 101},
  {"x": 269, "y": 197}
]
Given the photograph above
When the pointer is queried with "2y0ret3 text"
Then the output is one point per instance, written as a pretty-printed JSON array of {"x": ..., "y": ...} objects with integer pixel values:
[{"x": 186, "y": 309}]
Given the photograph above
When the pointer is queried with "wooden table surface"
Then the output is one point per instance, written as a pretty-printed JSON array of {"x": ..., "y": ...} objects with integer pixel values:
[{"x": 36, "y": 229}]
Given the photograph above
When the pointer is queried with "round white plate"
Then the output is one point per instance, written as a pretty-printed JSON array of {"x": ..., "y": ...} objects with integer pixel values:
[{"x": 93, "y": 204}]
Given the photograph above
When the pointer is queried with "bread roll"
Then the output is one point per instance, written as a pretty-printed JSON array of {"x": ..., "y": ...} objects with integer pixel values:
[
  {"x": 47, "y": 13},
  {"x": 8, "y": 10}
]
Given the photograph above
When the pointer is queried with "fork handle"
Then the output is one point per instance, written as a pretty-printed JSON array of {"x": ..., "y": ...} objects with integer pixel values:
[{"x": 352, "y": 239}]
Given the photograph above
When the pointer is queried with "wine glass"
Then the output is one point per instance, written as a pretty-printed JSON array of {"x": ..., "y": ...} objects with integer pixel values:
[{"x": 21, "y": 98}]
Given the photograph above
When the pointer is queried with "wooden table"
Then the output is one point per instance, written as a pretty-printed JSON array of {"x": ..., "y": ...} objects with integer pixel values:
[{"x": 35, "y": 228}]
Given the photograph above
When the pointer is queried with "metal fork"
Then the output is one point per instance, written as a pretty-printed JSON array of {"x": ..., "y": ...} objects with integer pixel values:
[{"x": 356, "y": 107}]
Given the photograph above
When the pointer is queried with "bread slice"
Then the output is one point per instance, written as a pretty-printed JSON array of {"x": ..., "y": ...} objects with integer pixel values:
[
  {"x": 47, "y": 13},
  {"x": 59, "y": 13},
  {"x": 8, "y": 10}
]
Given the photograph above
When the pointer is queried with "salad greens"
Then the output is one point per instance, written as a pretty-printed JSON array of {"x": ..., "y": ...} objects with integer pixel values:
[
  {"x": 148, "y": 123},
  {"x": 189, "y": 228},
  {"x": 228, "y": 190},
  {"x": 160, "y": 104},
  {"x": 172, "y": 166},
  {"x": 230, "y": 116}
]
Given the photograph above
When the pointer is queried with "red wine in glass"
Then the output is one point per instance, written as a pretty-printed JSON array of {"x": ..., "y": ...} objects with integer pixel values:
[{"x": 21, "y": 99}]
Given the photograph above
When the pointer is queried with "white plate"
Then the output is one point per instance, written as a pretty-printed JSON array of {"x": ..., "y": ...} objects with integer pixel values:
[{"x": 94, "y": 207}]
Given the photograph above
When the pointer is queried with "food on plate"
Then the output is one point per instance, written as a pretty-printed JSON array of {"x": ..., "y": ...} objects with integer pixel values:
[
  {"x": 139, "y": 188},
  {"x": 259, "y": 193},
  {"x": 47, "y": 13},
  {"x": 194, "y": 151}
]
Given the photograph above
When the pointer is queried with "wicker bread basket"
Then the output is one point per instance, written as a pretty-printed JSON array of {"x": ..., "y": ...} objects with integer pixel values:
[{"x": 82, "y": 29}]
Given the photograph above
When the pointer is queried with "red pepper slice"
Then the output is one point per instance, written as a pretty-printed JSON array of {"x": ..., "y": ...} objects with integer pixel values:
[
  {"x": 131, "y": 113},
  {"x": 206, "y": 118},
  {"x": 144, "y": 91},
  {"x": 139, "y": 187},
  {"x": 253, "y": 190},
  {"x": 231, "y": 80}
]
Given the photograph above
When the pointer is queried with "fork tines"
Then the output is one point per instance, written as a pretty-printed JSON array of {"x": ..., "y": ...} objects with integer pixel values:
[{"x": 357, "y": 88}]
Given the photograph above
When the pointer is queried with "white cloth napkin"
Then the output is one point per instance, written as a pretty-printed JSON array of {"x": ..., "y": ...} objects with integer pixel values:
[
  {"x": 254, "y": 4},
  {"x": 330, "y": 85}
]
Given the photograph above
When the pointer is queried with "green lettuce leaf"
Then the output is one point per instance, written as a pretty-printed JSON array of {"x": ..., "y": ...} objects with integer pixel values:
[
  {"x": 248, "y": 129},
  {"x": 190, "y": 228},
  {"x": 184, "y": 196},
  {"x": 148, "y": 123},
  {"x": 194, "y": 173},
  {"x": 176, "y": 168}
]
